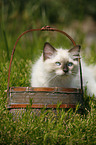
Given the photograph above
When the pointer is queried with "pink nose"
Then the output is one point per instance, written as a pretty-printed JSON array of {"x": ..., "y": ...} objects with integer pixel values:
[{"x": 65, "y": 70}]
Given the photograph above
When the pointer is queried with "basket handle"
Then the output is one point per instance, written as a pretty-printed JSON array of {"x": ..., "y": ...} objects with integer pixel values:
[{"x": 46, "y": 28}]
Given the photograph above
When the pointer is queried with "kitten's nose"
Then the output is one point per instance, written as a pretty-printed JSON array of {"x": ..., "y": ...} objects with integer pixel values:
[{"x": 65, "y": 70}]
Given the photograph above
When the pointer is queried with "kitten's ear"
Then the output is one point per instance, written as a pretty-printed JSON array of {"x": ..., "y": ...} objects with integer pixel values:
[
  {"x": 48, "y": 51},
  {"x": 75, "y": 51}
]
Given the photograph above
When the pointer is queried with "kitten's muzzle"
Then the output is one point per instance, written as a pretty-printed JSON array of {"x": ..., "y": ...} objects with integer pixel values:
[{"x": 65, "y": 68}]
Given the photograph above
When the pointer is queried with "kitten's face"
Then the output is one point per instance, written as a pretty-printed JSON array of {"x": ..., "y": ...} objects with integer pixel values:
[{"x": 60, "y": 61}]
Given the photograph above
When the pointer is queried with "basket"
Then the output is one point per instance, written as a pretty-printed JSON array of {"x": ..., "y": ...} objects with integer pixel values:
[{"x": 20, "y": 97}]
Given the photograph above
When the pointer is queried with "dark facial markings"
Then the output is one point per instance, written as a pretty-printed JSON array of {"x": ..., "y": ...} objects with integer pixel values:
[
  {"x": 70, "y": 64},
  {"x": 66, "y": 66}
]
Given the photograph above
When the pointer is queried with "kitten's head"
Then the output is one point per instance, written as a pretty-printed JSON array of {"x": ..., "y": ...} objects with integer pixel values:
[{"x": 60, "y": 61}]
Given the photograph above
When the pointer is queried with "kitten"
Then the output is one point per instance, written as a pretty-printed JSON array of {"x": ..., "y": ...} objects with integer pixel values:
[{"x": 60, "y": 68}]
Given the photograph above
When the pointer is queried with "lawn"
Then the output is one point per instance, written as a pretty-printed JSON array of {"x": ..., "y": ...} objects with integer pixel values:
[{"x": 62, "y": 127}]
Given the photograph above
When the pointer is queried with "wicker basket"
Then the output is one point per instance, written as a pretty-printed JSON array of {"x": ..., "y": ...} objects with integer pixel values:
[{"x": 20, "y": 97}]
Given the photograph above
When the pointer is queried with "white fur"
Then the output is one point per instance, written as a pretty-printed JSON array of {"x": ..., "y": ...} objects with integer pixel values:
[
  {"x": 89, "y": 78},
  {"x": 42, "y": 73}
]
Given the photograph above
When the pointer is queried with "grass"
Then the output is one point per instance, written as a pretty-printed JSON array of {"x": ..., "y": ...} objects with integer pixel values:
[
  {"x": 48, "y": 128},
  {"x": 61, "y": 127}
]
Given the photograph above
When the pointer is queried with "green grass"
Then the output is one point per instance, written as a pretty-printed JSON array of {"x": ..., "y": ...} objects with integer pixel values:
[
  {"x": 48, "y": 128},
  {"x": 62, "y": 127},
  {"x": 59, "y": 127}
]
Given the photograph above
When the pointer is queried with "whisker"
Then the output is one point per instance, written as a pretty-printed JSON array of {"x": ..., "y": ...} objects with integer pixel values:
[
  {"x": 49, "y": 79},
  {"x": 55, "y": 75},
  {"x": 75, "y": 74}
]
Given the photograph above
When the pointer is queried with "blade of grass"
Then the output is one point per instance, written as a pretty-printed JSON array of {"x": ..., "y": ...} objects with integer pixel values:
[
  {"x": 6, "y": 44},
  {"x": 4, "y": 32}
]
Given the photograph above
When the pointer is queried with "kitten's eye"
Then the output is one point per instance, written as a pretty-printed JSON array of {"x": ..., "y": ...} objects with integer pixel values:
[
  {"x": 70, "y": 64},
  {"x": 58, "y": 63}
]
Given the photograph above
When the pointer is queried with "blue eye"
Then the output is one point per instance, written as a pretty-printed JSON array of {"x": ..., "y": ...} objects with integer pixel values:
[
  {"x": 70, "y": 64},
  {"x": 58, "y": 63}
]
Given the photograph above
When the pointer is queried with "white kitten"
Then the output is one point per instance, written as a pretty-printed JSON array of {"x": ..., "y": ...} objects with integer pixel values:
[{"x": 60, "y": 68}]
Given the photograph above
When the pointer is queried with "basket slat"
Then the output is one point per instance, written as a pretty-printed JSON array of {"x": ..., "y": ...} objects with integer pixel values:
[{"x": 49, "y": 97}]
